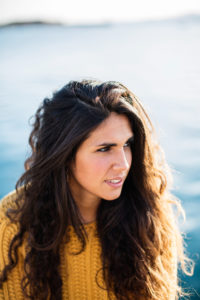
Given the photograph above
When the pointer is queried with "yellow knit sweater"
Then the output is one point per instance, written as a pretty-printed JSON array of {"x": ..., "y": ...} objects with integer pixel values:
[{"x": 77, "y": 271}]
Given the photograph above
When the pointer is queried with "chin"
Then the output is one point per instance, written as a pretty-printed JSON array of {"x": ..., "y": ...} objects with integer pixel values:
[{"x": 111, "y": 198}]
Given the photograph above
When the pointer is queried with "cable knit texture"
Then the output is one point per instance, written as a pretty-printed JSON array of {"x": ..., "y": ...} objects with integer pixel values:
[{"x": 78, "y": 272}]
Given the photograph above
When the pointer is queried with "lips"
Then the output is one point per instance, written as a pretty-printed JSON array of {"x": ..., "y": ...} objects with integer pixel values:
[{"x": 115, "y": 182}]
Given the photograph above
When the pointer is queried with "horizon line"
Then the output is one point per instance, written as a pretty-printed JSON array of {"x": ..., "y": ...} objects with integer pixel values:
[{"x": 47, "y": 21}]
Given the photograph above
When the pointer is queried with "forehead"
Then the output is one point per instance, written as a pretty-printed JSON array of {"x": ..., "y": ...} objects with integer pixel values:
[{"x": 116, "y": 128}]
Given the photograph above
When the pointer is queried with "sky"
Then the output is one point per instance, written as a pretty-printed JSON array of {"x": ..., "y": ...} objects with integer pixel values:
[{"x": 94, "y": 11}]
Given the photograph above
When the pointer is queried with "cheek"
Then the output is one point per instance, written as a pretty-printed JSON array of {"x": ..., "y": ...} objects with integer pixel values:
[{"x": 90, "y": 168}]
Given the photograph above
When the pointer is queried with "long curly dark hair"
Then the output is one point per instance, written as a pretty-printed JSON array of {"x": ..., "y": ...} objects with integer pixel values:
[{"x": 140, "y": 240}]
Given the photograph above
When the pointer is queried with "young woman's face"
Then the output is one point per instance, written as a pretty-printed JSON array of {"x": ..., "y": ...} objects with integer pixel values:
[{"x": 103, "y": 161}]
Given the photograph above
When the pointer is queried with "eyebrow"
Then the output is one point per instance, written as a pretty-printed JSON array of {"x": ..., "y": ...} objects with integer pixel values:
[{"x": 114, "y": 144}]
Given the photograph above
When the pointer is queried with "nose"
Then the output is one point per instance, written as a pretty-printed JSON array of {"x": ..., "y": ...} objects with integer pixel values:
[{"x": 122, "y": 160}]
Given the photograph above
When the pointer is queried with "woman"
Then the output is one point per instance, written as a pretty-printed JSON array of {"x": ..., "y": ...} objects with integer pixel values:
[{"x": 92, "y": 215}]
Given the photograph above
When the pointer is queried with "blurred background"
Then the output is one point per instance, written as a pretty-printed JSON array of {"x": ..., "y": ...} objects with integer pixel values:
[{"x": 153, "y": 47}]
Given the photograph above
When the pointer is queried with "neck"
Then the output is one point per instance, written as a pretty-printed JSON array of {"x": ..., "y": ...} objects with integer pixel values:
[
  {"x": 86, "y": 202},
  {"x": 88, "y": 209}
]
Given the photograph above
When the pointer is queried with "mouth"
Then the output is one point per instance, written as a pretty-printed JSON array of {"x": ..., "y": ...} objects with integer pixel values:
[{"x": 115, "y": 182}]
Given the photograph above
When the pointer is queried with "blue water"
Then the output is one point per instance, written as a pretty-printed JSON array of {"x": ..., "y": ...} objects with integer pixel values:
[{"x": 159, "y": 61}]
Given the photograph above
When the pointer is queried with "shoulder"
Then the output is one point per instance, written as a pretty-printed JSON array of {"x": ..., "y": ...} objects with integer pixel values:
[
  {"x": 7, "y": 203},
  {"x": 8, "y": 228},
  {"x": 10, "y": 201}
]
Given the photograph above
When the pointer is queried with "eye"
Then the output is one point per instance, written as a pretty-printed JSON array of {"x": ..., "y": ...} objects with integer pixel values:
[
  {"x": 105, "y": 149},
  {"x": 127, "y": 144}
]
